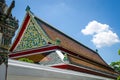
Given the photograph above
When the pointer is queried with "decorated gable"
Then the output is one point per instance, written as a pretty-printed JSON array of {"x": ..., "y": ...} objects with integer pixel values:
[
  {"x": 32, "y": 35},
  {"x": 31, "y": 38}
]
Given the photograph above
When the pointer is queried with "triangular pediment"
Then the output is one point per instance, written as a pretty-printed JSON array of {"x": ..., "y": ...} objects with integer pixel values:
[{"x": 32, "y": 36}]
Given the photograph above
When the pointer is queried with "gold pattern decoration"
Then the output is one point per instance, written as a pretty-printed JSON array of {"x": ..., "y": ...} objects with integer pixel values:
[{"x": 31, "y": 38}]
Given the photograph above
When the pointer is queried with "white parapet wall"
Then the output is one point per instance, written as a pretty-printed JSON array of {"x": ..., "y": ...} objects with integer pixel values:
[
  {"x": 2, "y": 71},
  {"x": 26, "y": 71}
]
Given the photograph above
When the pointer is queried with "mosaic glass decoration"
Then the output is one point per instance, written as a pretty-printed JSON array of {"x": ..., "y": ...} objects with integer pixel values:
[
  {"x": 50, "y": 59},
  {"x": 31, "y": 38}
]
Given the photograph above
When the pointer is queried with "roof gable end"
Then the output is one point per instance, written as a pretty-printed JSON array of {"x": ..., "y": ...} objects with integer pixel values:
[{"x": 31, "y": 35}]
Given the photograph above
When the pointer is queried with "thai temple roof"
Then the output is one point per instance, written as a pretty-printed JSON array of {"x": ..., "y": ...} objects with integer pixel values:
[
  {"x": 37, "y": 38},
  {"x": 70, "y": 43}
]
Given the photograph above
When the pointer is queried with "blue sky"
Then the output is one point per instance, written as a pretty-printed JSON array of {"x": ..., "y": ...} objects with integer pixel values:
[{"x": 94, "y": 23}]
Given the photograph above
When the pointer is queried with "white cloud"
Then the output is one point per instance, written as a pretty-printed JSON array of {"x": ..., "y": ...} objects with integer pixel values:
[
  {"x": 94, "y": 27},
  {"x": 105, "y": 39},
  {"x": 102, "y": 34}
]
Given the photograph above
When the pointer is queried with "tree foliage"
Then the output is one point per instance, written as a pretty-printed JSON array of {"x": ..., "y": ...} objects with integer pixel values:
[
  {"x": 119, "y": 51},
  {"x": 26, "y": 60},
  {"x": 118, "y": 78},
  {"x": 116, "y": 65}
]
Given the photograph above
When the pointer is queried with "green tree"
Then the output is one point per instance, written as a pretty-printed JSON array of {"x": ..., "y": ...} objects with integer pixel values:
[
  {"x": 119, "y": 51},
  {"x": 26, "y": 60},
  {"x": 118, "y": 78},
  {"x": 116, "y": 65}
]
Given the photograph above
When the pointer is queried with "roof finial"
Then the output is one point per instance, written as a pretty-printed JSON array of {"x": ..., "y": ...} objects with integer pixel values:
[
  {"x": 58, "y": 41},
  {"x": 27, "y": 8},
  {"x": 96, "y": 50}
]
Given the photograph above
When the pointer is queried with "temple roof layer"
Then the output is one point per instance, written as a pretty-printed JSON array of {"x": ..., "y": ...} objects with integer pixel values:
[{"x": 59, "y": 57}]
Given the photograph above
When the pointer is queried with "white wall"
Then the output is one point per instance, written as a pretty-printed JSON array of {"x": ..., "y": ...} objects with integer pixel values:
[
  {"x": 2, "y": 71},
  {"x": 26, "y": 71}
]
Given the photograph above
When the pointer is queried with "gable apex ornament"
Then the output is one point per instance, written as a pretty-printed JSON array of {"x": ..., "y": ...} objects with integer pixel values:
[{"x": 27, "y": 8}]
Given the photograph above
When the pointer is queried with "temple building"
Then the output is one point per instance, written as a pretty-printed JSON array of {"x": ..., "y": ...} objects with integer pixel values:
[{"x": 52, "y": 55}]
